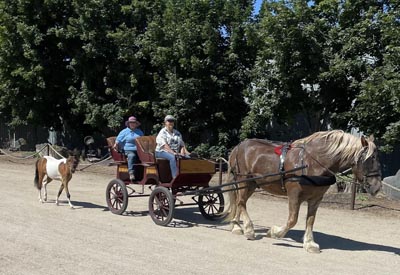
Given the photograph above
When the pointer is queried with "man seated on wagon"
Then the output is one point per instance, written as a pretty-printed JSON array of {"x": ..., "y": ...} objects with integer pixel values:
[{"x": 170, "y": 144}]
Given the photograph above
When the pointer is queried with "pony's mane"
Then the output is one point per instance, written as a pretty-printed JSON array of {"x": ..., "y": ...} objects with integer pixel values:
[{"x": 339, "y": 144}]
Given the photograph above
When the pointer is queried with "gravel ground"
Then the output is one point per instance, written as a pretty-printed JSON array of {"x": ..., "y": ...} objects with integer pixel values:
[{"x": 48, "y": 239}]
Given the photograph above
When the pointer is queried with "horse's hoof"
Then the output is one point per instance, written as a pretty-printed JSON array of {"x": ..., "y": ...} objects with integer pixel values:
[
  {"x": 276, "y": 232},
  {"x": 237, "y": 231},
  {"x": 312, "y": 248},
  {"x": 250, "y": 236},
  {"x": 272, "y": 234}
]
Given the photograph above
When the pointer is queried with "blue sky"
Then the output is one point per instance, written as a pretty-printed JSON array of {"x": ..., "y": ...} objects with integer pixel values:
[{"x": 257, "y": 6}]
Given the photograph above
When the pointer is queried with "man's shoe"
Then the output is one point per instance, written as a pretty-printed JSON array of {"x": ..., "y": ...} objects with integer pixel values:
[{"x": 131, "y": 176}]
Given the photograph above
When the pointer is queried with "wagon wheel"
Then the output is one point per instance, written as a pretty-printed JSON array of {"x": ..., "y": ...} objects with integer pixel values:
[
  {"x": 117, "y": 196},
  {"x": 211, "y": 205},
  {"x": 161, "y": 206}
]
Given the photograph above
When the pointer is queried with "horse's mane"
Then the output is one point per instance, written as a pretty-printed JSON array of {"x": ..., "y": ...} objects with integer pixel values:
[{"x": 339, "y": 144}]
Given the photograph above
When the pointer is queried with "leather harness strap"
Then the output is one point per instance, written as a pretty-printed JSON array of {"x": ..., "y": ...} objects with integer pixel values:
[{"x": 283, "y": 152}]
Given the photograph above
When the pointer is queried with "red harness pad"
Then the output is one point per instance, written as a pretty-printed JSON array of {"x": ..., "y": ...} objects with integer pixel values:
[{"x": 278, "y": 149}]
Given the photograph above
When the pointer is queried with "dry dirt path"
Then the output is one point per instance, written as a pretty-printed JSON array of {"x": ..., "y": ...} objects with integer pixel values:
[{"x": 48, "y": 239}]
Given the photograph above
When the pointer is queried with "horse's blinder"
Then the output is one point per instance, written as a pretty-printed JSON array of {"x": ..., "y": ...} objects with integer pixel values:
[{"x": 367, "y": 175}]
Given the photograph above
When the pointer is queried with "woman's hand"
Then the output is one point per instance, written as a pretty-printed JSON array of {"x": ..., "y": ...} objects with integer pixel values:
[{"x": 115, "y": 146}]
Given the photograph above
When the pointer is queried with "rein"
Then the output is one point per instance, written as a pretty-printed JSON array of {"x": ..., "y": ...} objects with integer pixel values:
[{"x": 235, "y": 183}]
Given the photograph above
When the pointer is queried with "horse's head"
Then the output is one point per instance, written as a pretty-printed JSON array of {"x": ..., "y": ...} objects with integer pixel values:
[
  {"x": 73, "y": 159},
  {"x": 367, "y": 168}
]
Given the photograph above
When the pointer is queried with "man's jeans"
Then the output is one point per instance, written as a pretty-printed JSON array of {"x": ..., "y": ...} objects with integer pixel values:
[
  {"x": 132, "y": 159},
  {"x": 171, "y": 158}
]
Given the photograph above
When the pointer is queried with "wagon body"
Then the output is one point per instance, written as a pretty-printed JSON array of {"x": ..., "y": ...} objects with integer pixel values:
[{"x": 193, "y": 174}]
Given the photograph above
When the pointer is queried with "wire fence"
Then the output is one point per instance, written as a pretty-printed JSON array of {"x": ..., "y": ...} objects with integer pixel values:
[{"x": 49, "y": 150}]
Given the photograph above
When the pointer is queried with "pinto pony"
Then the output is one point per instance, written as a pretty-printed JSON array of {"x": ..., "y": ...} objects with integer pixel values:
[
  {"x": 55, "y": 169},
  {"x": 322, "y": 155}
]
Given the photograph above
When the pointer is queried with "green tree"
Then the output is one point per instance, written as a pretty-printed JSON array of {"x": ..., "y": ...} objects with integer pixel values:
[
  {"x": 203, "y": 51},
  {"x": 33, "y": 73},
  {"x": 286, "y": 75},
  {"x": 324, "y": 59},
  {"x": 112, "y": 78},
  {"x": 377, "y": 107}
]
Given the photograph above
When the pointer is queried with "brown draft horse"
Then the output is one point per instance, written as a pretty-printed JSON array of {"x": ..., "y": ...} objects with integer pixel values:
[
  {"x": 55, "y": 169},
  {"x": 324, "y": 153}
]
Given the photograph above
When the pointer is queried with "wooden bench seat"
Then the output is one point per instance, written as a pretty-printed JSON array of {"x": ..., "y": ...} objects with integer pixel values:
[{"x": 146, "y": 147}]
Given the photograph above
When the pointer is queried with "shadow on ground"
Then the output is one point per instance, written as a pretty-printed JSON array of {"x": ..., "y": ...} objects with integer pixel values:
[{"x": 327, "y": 241}]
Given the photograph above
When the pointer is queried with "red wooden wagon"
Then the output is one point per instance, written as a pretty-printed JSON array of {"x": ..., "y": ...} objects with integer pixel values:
[{"x": 193, "y": 175}]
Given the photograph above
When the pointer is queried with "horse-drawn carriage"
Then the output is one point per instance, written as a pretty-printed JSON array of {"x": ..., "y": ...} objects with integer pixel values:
[
  {"x": 302, "y": 171},
  {"x": 193, "y": 175}
]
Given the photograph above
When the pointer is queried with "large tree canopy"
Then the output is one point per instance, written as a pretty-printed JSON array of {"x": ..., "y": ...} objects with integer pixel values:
[
  {"x": 336, "y": 62},
  {"x": 223, "y": 72}
]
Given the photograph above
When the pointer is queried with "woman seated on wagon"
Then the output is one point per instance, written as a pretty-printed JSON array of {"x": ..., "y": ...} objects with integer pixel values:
[
  {"x": 170, "y": 144},
  {"x": 126, "y": 140}
]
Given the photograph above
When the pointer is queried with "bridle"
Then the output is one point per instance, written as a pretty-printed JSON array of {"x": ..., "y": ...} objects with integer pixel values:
[{"x": 367, "y": 175}]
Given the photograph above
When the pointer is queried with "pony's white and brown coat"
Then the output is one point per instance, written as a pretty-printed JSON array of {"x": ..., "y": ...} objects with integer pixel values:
[{"x": 49, "y": 168}]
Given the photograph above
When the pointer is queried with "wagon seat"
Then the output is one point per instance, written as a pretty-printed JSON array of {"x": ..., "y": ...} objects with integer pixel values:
[
  {"x": 118, "y": 157},
  {"x": 119, "y": 160},
  {"x": 146, "y": 147}
]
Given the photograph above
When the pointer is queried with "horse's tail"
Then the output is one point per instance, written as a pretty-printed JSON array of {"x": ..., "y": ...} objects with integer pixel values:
[
  {"x": 231, "y": 209},
  {"x": 36, "y": 182}
]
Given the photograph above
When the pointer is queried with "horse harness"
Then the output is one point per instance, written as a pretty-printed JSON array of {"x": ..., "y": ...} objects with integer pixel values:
[{"x": 282, "y": 151}]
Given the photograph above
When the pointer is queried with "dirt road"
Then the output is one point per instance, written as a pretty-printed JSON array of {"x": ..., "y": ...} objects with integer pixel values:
[{"x": 48, "y": 239}]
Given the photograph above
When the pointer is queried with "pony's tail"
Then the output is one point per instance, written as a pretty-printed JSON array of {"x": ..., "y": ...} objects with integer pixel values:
[
  {"x": 36, "y": 182},
  {"x": 231, "y": 210}
]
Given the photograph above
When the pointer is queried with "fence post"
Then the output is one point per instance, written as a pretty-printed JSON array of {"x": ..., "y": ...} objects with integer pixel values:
[
  {"x": 220, "y": 171},
  {"x": 48, "y": 149},
  {"x": 353, "y": 195}
]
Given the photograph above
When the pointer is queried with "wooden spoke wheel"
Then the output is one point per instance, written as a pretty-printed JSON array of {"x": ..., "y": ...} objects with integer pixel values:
[
  {"x": 117, "y": 196},
  {"x": 212, "y": 205},
  {"x": 161, "y": 206}
]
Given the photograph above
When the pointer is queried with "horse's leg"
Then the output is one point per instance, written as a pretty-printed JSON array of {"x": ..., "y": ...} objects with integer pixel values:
[
  {"x": 59, "y": 192},
  {"x": 40, "y": 185},
  {"x": 47, "y": 181},
  {"x": 68, "y": 194},
  {"x": 235, "y": 222},
  {"x": 294, "y": 207},
  {"x": 40, "y": 196},
  {"x": 248, "y": 226},
  {"x": 234, "y": 213},
  {"x": 308, "y": 240}
]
